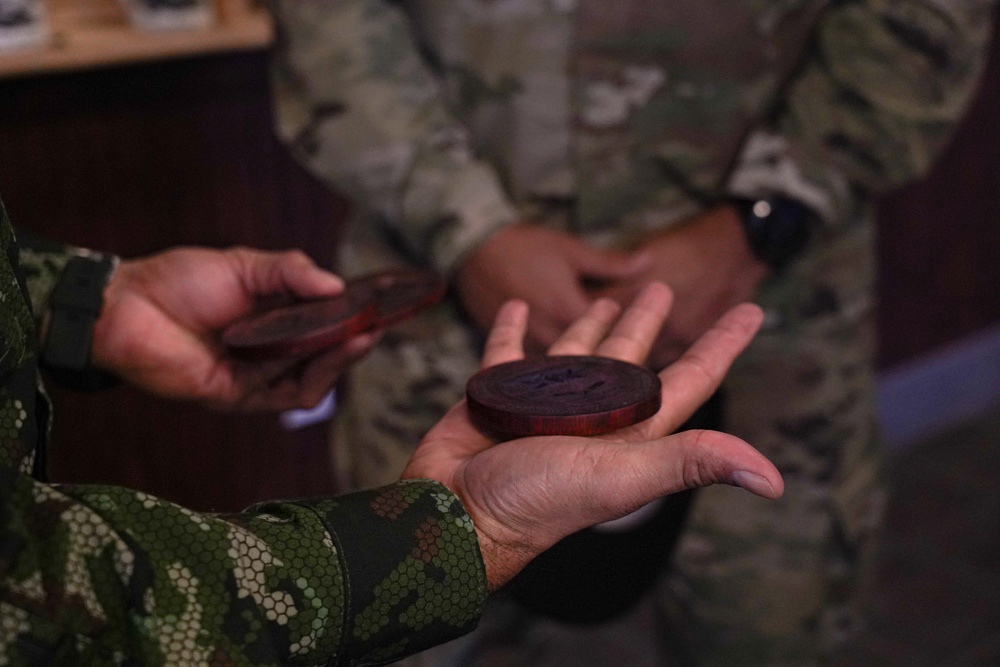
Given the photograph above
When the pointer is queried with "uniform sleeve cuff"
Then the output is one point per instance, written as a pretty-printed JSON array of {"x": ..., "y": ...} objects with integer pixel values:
[
  {"x": 769, "y": 164},
  {"x": 415, "y": 576}
]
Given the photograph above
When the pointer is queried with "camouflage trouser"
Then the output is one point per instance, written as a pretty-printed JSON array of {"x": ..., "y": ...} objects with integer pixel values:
[
  {"x": 753, "y": 581},
  {"x": 783, "y": 582}
]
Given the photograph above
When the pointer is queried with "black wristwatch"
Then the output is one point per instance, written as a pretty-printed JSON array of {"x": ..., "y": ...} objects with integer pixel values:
[
  {"x": 74, "y": 306},
  {"x": 777, "y": 228}
]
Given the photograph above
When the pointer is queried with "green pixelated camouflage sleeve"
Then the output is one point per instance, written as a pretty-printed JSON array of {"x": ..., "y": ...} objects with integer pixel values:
[
  {"x": 362, "y": 109},
  {"x": 41, "y": 262},
  {"x": 105, "y": 575},
  {"x": 100, "y": 575},
  {"x": 883, "y": 86}
]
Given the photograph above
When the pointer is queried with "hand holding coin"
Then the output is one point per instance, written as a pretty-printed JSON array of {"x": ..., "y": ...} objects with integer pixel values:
[
  {"x": 526, "y": 494},
  {"x": 373, "y": 301}
]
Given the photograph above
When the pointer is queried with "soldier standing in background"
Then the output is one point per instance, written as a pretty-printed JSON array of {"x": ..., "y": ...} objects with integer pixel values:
[{"x": 552, "y": 150}]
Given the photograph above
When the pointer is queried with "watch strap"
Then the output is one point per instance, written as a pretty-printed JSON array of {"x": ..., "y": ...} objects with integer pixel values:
[{"x": 74, "y": 306}]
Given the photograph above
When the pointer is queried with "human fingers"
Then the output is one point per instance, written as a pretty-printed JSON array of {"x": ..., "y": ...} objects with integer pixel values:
[
  {"x": 636, "y": 330},
  {"x": 505, "y": 341},
  {"x": 622, "y": 291},
  {"x": 321, "y": 372},
  {"x": 290, "y": 271},
  {"x": 583, "y": 335},
  {"x": 691, "y": 380},
  {"x": 282, "y": 384},
  {"x": 702, "y": 458},
  {"x": 556, "y": 308},
  {"x": 628, "y": 476}
]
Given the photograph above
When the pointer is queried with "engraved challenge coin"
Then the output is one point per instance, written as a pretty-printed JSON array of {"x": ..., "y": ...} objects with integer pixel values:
[
  {"x": 368, "y": 302},
  {"x": 561, "y": 395}
]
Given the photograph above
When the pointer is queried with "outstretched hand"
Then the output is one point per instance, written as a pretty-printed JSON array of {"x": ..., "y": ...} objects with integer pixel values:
[
  {"x": 162, "y": 317},
  {"x": 524, "y": 495}
]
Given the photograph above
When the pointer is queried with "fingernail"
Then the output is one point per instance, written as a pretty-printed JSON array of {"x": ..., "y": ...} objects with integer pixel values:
[{"x": 753, "y": 483}]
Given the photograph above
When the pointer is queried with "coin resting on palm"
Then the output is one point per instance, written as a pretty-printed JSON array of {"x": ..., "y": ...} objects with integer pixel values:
[
  {"x": 376, "y": 300},
  {"x": 561, "y": 395}
]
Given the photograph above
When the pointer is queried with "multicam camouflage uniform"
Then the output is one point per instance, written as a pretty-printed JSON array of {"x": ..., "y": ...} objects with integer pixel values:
[
  {"x": 98, "y": 575},
  {"x": 446, "y": 120}
]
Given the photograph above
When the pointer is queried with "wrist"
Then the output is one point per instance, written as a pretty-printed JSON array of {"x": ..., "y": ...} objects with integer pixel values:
[
  {"x": 735, "y": 230},
  {"x": 503, "y": 554},
  {"x": 496, "y": 239},
  {"x": 501, "y": 561}
]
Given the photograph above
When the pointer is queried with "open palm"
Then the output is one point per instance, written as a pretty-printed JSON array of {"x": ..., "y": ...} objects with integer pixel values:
[{"x": 526, "y": 494}]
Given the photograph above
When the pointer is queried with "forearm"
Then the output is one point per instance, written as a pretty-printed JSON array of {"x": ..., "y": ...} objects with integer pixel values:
[
  {"x": 366, "y": 577},
  {"x": 877, "y": 97},
  {"x": 361, "y": 109}
]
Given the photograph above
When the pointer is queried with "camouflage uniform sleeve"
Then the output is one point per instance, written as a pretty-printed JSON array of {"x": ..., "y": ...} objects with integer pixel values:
[
  {"x": 361, "y": 108},
  {"x": 42, "y": 262},
  {"x": 881, "y": 88},
  {"x": 105, "y": 575}
]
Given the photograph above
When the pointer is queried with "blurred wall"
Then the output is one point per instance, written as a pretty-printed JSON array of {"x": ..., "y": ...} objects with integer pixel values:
[
  {"x": 940, "y": 272},
  {"x": 136, "y": 159},
  {"x": 939, "y": 348}
]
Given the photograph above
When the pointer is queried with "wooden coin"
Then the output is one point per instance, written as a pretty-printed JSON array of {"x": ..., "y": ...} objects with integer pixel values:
[
  {"x": 561, "y": 395},
  {"x": 299, "y": 329},
  {"x": 401, "y": 293},
  {"x": 302, "y": 328}
]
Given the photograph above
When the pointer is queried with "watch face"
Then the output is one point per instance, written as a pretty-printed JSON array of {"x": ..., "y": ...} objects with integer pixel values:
[
  {"x": 761, "y": 208},
  {"x": 777, "y": 228}
]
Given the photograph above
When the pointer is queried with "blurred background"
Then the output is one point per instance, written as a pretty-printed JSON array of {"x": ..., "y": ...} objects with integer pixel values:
[{"x": 132, "y": 141}]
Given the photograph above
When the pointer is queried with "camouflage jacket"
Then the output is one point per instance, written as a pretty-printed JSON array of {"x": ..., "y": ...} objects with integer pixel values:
[
  {"x": 448, "y": 119},
  {"x": 99, "y": 575}
]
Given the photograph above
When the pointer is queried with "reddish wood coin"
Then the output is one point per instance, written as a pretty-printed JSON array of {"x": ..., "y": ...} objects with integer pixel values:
[
  {"x": 303, "y": 328},
  {"x": 562, "y": 395},
  {"x": 401, "y": 293}
]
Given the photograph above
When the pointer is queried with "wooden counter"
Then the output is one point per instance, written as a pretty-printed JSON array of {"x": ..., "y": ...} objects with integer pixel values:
[{"x": 94, "y": 33}]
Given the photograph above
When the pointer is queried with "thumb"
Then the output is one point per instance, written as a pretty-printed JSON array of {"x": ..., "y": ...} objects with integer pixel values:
[
  {"x": 652, "y": 469},
  {"x": 711, "y": 457},
  {"x": 598, "y": 483},
  {"x": 290, "y": 271}
]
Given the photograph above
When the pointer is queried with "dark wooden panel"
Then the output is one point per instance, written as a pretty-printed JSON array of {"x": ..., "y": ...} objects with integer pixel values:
[
  {"x": 137, "y": 159},
  {"x": 940, "y": 276}
]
